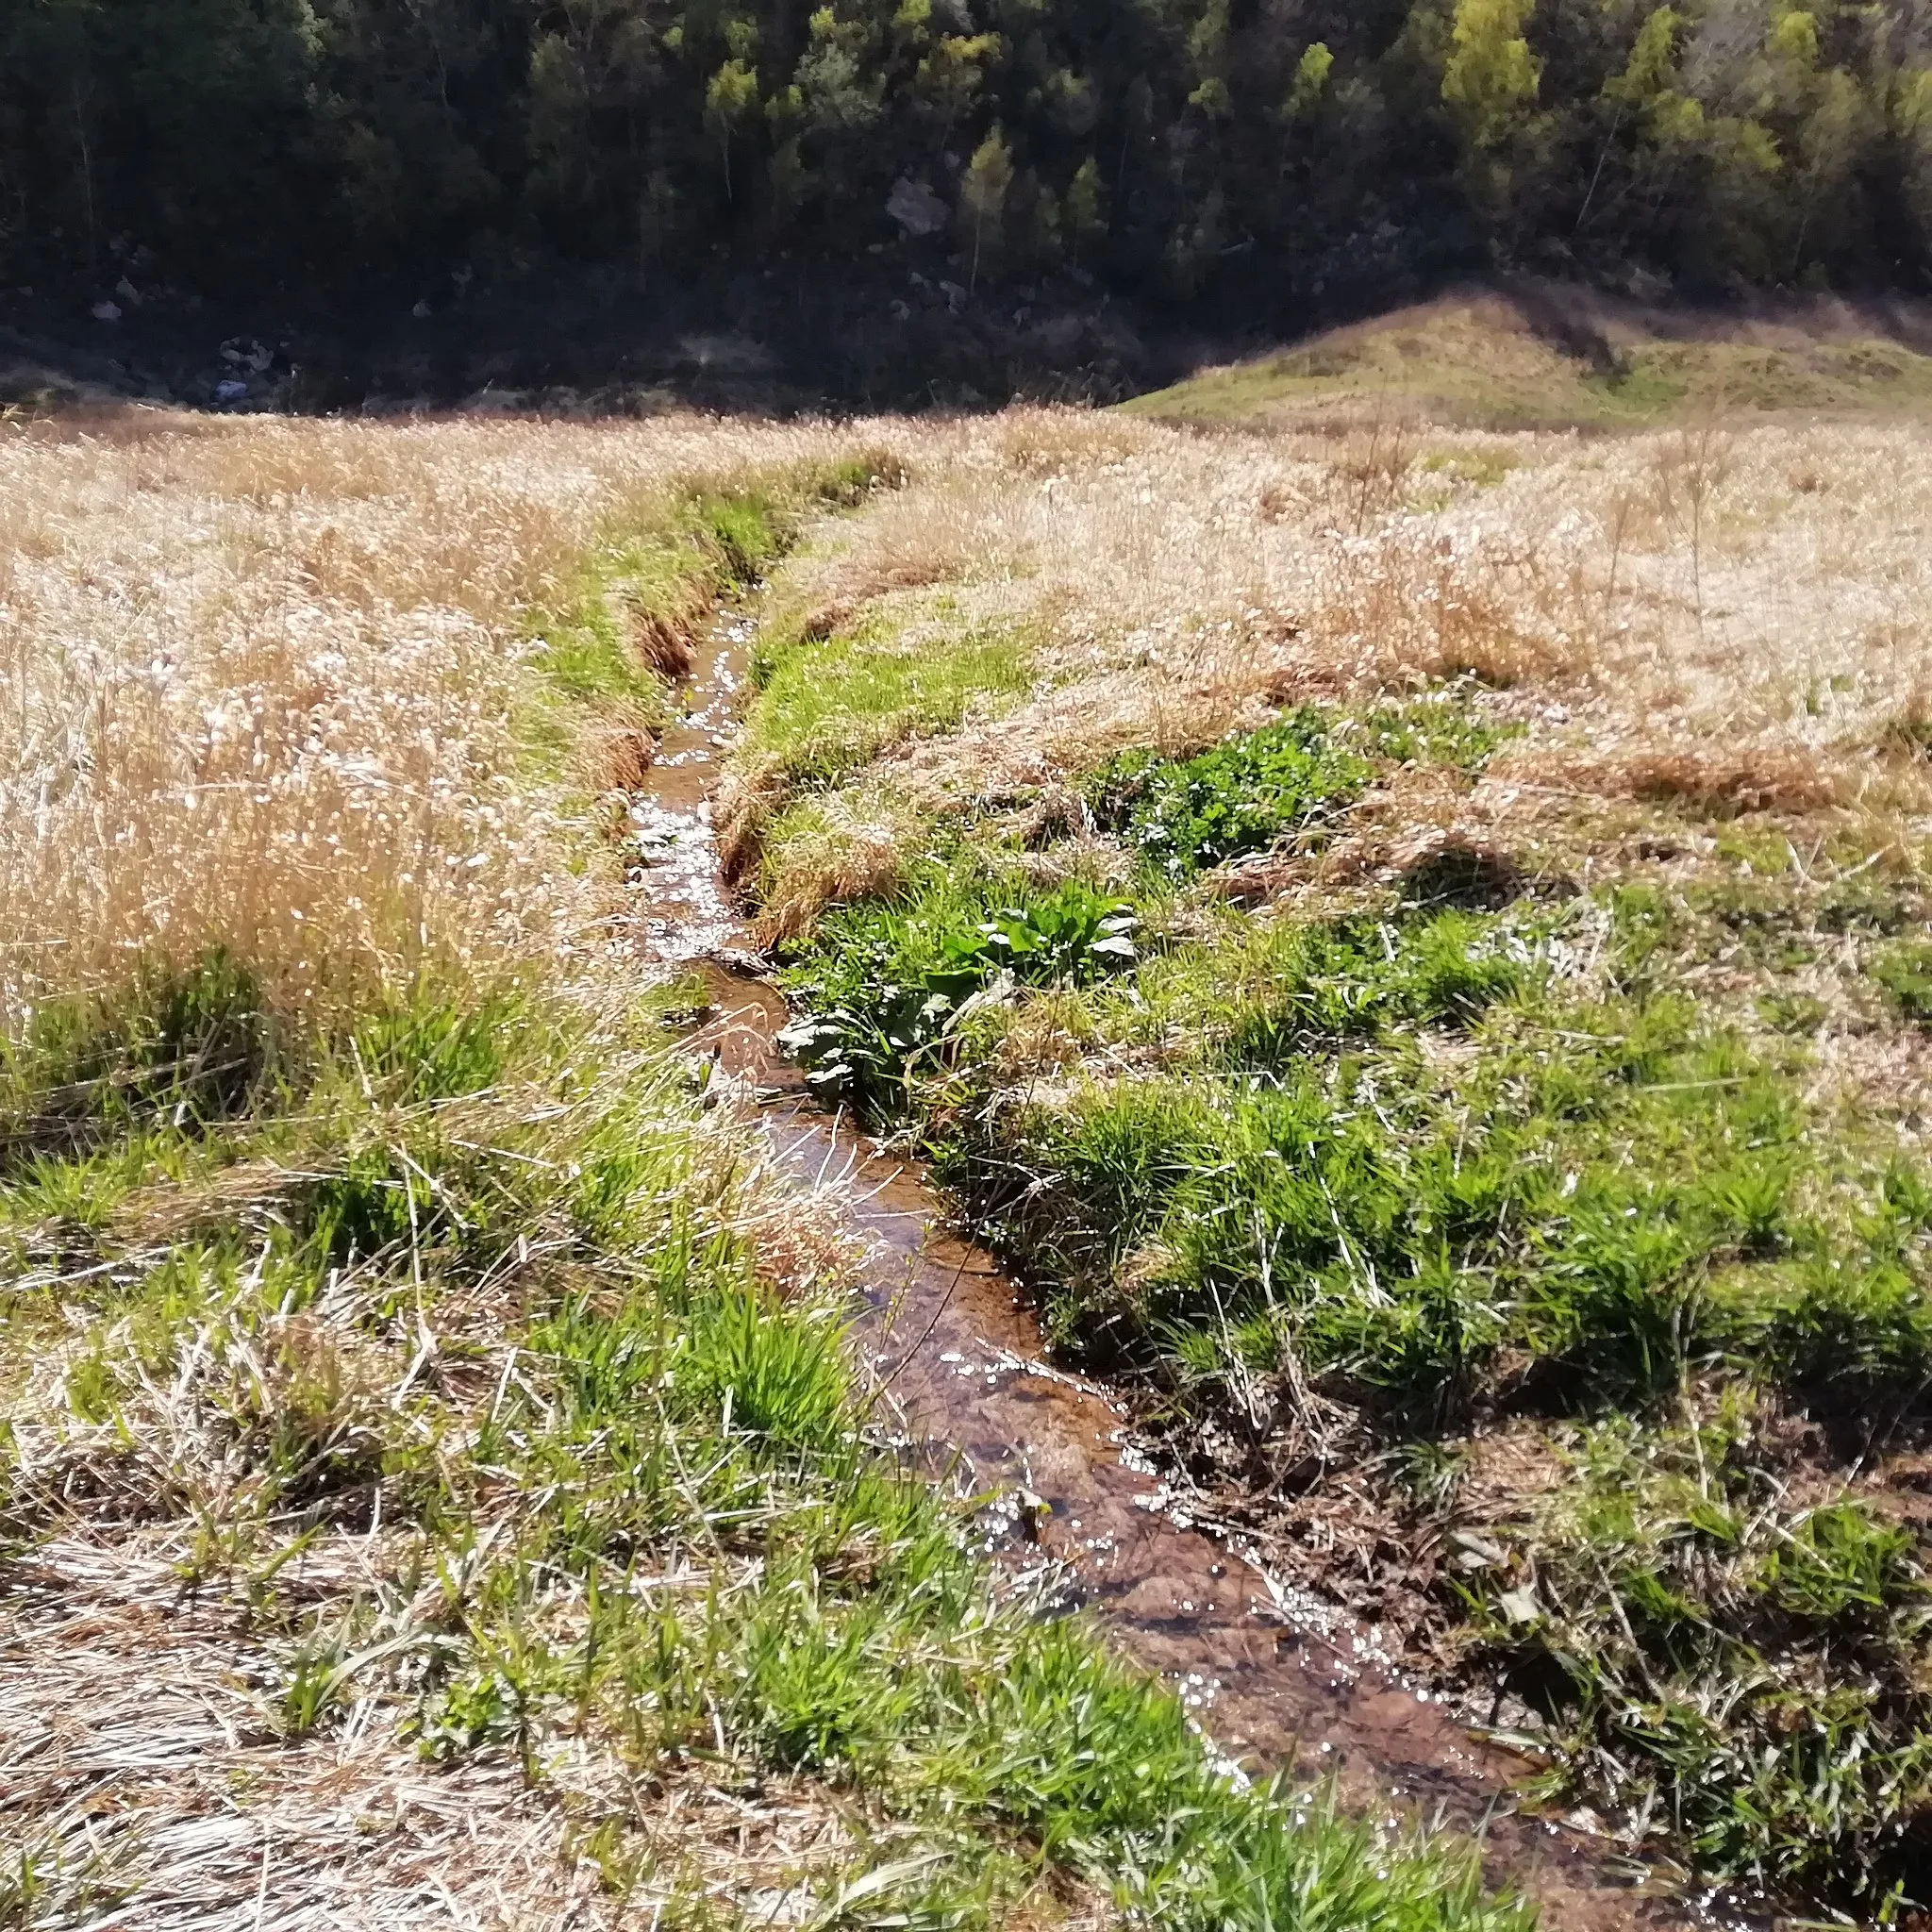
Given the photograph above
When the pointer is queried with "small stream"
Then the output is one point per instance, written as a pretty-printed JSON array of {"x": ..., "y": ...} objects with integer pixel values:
[{"x": 1276, "y": 1677}]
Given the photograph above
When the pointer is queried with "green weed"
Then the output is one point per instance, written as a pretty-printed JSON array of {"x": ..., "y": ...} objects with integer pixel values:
[
  {"x": 1905, "y": 971},
  {"x": 890, "y": 985},
  {"x": 1234, "y": 799},
  {"x": 1706, "y": 1654},
  {"x": 1296, "y": 777}
]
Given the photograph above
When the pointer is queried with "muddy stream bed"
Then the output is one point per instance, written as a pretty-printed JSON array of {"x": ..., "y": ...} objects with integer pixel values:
[{"x": 1276, "y": 1677}]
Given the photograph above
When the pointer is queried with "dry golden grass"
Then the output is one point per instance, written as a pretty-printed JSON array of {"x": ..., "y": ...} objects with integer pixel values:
[
  {"x": 137, "y": 1733},
  {"x": 850, "y": 848},
  {"x": 257, "y": 685},
  {"x": 1731, "y": 615},
  {"x": 257, "y": 676},
  {"x": 258, "y": 691}
]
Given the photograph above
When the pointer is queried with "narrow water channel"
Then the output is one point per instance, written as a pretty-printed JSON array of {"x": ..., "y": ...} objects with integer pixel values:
[{"x": 1278, "y": 1679}]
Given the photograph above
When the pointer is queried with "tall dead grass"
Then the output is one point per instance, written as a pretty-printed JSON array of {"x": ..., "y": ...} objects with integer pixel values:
[
  {"x": 259, "y": 679},
  {"x": 1723, "y": 596},
  {"x": 259, "y": 683}
]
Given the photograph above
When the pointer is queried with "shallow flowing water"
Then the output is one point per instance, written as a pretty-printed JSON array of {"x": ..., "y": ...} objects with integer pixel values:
[{"x": 1277, "y": 1678}]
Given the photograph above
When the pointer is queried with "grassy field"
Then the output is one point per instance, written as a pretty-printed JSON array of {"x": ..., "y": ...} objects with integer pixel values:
[
  {"x": 434, "y": 1485},
  {"x": 1413, "y": 936},
  {"x": 1403, "y": 914}
]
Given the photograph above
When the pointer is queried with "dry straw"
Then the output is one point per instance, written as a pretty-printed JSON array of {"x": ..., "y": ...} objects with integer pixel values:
[{"x": 1743, "y": 605}]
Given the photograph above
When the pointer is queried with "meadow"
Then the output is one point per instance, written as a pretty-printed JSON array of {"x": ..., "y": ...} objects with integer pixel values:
[
  {"x": 1414, "y": 945},
  {"x": 434, "y": 1483},
  {"x": 1408, "y": 930}
]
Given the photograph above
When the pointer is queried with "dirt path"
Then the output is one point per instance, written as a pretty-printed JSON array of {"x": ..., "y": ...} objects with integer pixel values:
[{"x": 1278, "y": 1679}]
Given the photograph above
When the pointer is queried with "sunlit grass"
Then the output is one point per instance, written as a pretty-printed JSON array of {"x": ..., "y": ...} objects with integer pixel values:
[
  {"x": 405, "y": 1385},
  {"x": 1446, "y": 1165}
]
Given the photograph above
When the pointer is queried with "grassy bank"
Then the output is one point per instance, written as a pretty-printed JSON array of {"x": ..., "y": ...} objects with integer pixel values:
[
  {"x": 1447, "y": 1035},
  {"x": 434, "y": 1481}
]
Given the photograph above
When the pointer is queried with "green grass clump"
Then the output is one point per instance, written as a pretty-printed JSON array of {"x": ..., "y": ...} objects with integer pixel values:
[
  {"x": 1703, "y": 1650},
  {"x": 184, "y": 1045},
  {"x": 1905, "y": 971},
  {"x": 1482, "y": 469},
  {"x": 640, "y": 592},
  {"x": 826, "y": 708},
  {"x": 1605, "y": 1199},
  {"x": 1295, "y": 776},
  {"x": 887, "y": 986},
  {"x": 1263, "y": 1001}
]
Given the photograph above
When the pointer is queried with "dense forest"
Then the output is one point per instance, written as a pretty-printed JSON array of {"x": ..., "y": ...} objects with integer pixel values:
[{"x": 1180, "y": 149}]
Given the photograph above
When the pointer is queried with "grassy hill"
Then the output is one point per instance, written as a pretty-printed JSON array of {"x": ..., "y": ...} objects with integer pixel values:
[{"x": 1561, "y": 359}]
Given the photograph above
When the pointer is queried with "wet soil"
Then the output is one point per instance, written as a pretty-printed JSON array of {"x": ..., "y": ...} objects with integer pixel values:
[{"x": 1278, "y": 1678}]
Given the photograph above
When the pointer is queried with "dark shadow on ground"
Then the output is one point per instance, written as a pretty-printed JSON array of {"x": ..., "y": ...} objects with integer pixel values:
[
  {"x": 604, "y": 342},
  {"x": 792, "y": 339}
]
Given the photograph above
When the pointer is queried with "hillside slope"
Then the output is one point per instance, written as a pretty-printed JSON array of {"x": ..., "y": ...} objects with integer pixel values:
[{"x": 1531, "y": 356}]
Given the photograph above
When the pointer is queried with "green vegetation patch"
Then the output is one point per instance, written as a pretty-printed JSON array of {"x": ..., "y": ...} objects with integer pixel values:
[
  {"x": 1452, "y": 1167},
  {"x": 1481, "y": 469},
  {"x": 178, "y": 1046},
  {"x": 886, "y": 987},
  {"x": 1232, "y": 800},
  {"x": 1295, "y": 776},
  {"x": 1708, "y": 1650},
  {"x": 483, "y": 1273},
  {"x": 828, "y": 707},
  {"x": 1905, "y": 971},
  {"x": 620, "y": 630}
]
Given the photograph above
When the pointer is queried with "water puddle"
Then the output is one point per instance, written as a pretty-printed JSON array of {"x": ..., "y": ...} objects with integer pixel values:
[{"x": 1277, "y": 1678}]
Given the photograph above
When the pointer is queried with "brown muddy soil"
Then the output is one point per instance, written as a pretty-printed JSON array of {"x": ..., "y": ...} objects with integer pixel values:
[{"x": 1280, "y": 1677}]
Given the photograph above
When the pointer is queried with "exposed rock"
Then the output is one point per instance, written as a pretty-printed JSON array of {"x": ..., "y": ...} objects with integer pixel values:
[{"x": 916, "y": 208}]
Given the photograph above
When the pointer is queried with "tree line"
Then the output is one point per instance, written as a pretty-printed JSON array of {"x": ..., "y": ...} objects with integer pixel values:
[{"x": 1179, "y": 148}]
